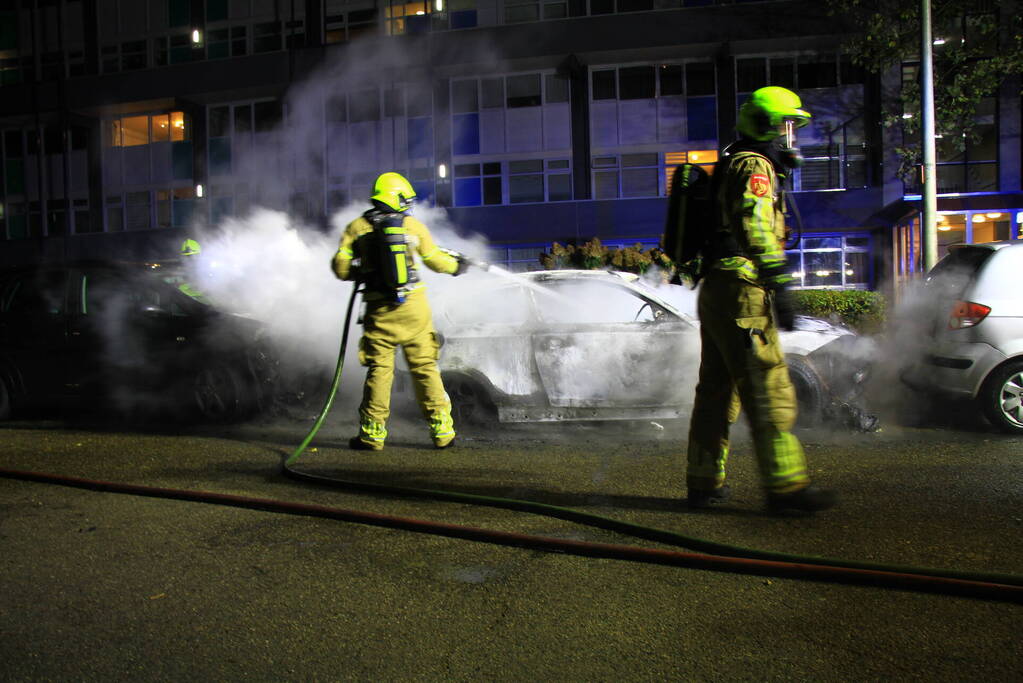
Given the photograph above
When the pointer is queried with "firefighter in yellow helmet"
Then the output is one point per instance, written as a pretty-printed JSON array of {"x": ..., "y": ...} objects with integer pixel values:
[
  {"x": 743, "y": 300},
  {"x": 190, "y": 249},
  {"x": 378, "y": 249}
]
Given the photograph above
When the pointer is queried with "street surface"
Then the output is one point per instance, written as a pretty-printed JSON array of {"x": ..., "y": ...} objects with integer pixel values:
[{"x": 110, "y": 587}]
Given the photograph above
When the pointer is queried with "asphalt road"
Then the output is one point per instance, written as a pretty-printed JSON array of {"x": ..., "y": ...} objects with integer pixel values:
[{"x": 102, "y": 586}]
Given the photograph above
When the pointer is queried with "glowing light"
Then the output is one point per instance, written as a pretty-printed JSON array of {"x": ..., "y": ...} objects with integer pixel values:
[
  {"x": 196, "y": 37},
  {"x": 198, "y": 191},
  {"x": 978, "y": 218},
  {"x": 849, "y": 273},
  {"x": 1019, "y": 217},
  {"x": 907, "y": 115},
  {"x": 944, "y": 227},
  {"x": 822, "y": 273},
  {"x": 420, "y": 13},
  {"x": 439, "y": 5},
  {"x": 797, "y": 274},
  {"x": 442, "y": 171},
  {"x": 994, "y": 215},
  {"x": 695, "y": 156},
  {"x": 939, "y": 41}
]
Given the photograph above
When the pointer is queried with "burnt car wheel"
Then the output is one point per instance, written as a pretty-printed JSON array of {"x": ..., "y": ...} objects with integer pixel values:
[
  {"x": 1001, "y": 398},
  {"x": 809, "y": 393},
  {"x": 217, "y": 393},
  {"x": 470, "y": 403}
]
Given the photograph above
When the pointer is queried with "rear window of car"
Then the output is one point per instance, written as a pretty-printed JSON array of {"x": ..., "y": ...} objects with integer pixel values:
[{"x": 956, "y": 270}]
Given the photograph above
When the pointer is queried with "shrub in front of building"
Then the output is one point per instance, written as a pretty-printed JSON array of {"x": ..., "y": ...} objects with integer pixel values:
[
  {"x": 594, "y": 255},
  {"x": 857, "y": 309}
]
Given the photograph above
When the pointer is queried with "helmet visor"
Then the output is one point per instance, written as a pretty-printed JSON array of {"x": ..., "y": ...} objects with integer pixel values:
[{"x": 789, "y": 133}]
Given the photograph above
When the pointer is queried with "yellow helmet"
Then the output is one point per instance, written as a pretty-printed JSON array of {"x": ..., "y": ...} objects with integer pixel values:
[
  {"x": 770, "y": 113},
  {"x": 190, "y": 248},
  {"x": 391, "y": 189}
]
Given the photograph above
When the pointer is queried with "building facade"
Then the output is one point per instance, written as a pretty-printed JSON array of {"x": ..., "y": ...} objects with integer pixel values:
[{"x": 531, "y": 121}]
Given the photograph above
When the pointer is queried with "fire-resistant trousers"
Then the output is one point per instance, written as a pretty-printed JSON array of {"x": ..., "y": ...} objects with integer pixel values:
[
  {"x": 742, "y": 363},
  {"x": 410, "y": 326}
]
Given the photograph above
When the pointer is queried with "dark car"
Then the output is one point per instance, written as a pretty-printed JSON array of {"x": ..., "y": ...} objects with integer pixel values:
[{"x": 124, "y": 336}]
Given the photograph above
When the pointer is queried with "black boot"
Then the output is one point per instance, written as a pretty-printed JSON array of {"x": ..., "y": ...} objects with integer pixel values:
[
  {"x": 701, "y": 500},
  {"x": 809, "y": 499}
]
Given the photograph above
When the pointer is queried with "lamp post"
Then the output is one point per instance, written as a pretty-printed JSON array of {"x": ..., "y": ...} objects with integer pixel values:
[{"x": 930, "y": 198}]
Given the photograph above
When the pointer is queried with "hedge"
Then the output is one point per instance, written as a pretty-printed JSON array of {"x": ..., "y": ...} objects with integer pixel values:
[{"x": 858, "y": 309}]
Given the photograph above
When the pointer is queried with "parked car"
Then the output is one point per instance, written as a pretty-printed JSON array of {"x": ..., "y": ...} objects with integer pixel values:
[
  {"x": 596, "y": 345},
  {"x": 124, "y": 334},
  {"x": 973, "y": 331}
]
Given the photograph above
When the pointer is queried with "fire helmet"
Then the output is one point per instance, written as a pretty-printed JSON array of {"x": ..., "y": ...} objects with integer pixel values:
[
  {"x": 190, "y": 247},
  {"x": 770, "y": 113},
  {"x": 392, "y": 190}
]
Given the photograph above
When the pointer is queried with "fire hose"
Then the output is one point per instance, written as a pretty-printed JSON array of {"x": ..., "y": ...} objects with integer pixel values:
[{"x": 714, "y": 556}]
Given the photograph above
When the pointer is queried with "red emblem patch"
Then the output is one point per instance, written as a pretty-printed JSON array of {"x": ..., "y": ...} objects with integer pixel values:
[{"x": 759, "y": 184}]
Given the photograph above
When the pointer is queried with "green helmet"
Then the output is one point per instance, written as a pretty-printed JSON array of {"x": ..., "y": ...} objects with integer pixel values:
[
  {"x": 394, "y": 191},
  {"x": 190, "y": 247},
  {"x": 765, "y": 115}
]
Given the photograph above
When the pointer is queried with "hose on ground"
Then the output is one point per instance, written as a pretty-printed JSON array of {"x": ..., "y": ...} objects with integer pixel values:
[{"x": 737, "y": 565}]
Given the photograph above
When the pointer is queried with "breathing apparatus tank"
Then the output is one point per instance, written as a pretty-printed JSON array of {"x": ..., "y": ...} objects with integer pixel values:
[{"x": 386, "y": 262}]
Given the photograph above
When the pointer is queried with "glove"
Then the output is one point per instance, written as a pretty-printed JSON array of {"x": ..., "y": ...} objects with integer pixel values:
[
  {"x": 463, "y": 265},
  {"x": 784, "y": 308},
  {"x": 776, "y": 282}
]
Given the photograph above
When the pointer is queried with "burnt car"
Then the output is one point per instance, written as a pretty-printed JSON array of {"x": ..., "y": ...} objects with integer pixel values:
[
  {"x": 124, "y": 336},
  {"x": 597, "y": 345}
]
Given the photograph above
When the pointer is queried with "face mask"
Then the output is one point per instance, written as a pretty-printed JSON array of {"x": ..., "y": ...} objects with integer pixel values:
[{"x": 788, "y": 148}]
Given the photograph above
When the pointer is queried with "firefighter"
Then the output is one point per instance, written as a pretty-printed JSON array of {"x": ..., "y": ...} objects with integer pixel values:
[
  {"x": 190, "y": 250},
  {"x": 743, "y": 301},
  {"x": 377, "y": 249}
]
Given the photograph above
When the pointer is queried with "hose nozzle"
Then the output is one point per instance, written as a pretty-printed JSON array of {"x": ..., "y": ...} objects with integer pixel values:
[{"x": 482, "y": 265}]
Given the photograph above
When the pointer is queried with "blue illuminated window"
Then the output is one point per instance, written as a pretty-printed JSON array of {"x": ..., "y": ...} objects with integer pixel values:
[
  {"x": 702, "y": 118},
  {"x": 465, "y": 133},
  {"x": 420, "y": 137}
]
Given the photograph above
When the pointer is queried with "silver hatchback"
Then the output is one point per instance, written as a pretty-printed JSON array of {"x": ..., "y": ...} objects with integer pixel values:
[{"x": 973, "y": 335}]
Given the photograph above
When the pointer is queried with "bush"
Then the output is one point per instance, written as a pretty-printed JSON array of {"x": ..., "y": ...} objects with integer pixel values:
[
  {"x": 860, "y": 310},
  {"x": 593, "y": 255}
]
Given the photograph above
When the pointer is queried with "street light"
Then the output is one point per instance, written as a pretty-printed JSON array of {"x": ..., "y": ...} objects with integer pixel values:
[{"x": 930, "y": 189}]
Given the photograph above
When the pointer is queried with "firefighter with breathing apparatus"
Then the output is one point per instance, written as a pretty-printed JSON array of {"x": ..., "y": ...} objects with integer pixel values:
[
  {"x": 743, "y": 301},
  {"x": 377, "y": 249}
]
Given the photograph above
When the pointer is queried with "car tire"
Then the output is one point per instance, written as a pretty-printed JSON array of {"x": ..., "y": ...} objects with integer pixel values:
[
  {"x": 809, "y": 393},
  {"x": 216, "y": 393},
  {"x": 5, "y": 398},
  {"x": 1000, "y": 397},
  {"x": 470, "y": 402}
]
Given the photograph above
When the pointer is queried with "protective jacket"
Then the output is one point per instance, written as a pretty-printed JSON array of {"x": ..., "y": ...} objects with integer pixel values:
[
  {"x": 750, "y": 231},
  {"x": 355, "y": 258}
]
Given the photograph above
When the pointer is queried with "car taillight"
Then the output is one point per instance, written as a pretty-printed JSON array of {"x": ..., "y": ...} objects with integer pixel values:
[{"x": 966, "y": 314}]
